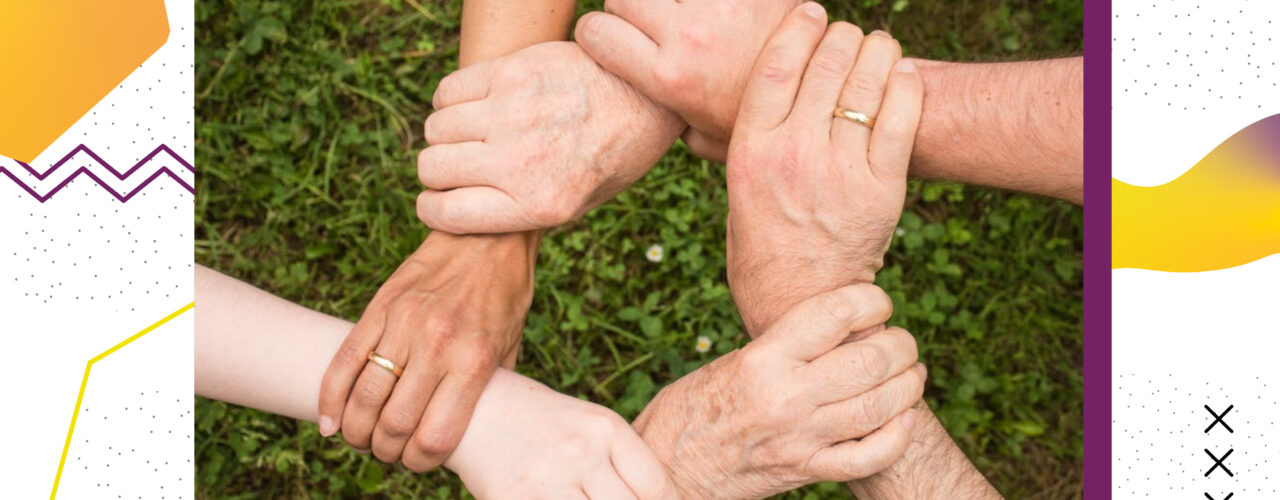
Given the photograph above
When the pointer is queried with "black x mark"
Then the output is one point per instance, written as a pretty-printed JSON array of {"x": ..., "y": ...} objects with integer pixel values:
[
  {"x": 1217, "y": 419},
  {"x": 1228, "y": 497},
  {"x": 1217, "y": 462}
]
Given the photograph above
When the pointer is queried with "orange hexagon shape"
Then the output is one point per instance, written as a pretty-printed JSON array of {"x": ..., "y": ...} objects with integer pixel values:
[{"x": 60, "y": 57}]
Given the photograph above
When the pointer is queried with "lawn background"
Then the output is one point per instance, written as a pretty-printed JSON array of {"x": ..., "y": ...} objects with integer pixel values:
[{"x": 309, "y": 117}]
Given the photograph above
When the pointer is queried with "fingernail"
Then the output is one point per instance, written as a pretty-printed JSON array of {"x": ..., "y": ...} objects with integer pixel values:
[
  {"x": 909, "y": 419},
  {"x": 906, "y": 66},
  {"x": 814, "y": 10},
  {"x": 326, "y": 427}
]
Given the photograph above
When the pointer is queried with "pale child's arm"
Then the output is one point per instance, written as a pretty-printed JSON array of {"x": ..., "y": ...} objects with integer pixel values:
[{"x": 257, "y": 350}]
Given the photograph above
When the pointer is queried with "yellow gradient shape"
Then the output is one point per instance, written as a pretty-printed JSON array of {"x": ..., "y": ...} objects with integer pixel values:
[
  {"x": 1222, "y": 213},
  {"x": 85, "y": 383},
  {"x": 59, "y": 58}
]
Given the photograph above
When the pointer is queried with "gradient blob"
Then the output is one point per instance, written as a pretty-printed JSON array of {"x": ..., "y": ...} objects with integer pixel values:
[
  {"x": 60, "y": 57},
  {"x": 1222, "y": 213}
]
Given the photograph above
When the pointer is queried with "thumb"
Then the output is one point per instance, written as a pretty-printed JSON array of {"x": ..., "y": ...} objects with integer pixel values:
[{"x": 619, "y": 47}]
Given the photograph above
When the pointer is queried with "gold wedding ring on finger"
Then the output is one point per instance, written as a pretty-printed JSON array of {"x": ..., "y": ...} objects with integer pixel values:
[
  {"x": 386, "y": 364},
  {"x": 855, "y": 117}
]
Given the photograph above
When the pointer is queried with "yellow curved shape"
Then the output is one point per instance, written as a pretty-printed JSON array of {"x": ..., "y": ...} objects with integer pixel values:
[
  {"x": 1222, "y": 213},
  {"x": 60, "y": 57},
  {"x": 57, "y": 478}
]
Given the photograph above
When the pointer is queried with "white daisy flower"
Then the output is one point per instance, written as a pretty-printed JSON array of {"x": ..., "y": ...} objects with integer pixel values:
[
  {"x": 654, "y": 253},
  {"x": 900, "y": 231},
  {"x": 703, "y": 344}
]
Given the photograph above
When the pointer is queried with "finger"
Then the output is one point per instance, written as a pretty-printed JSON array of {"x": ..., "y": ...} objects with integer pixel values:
[
  {"x": 446, "y": 419},
  {"x": 826, "y": 74},
  {"x": 620, "y": 48},
  {"x": 467, "y": 84},
  {"x": 856, "y": 367},
  {"x": 369, "y": 395},
  {"x": 852, "y": 460},
  {"x": 864, "y": 89},
  {"x": 705, "y": 146},
  {"x": 403, "y": 411},
  {"x": 771, "y": 88},
  {"x": 346, "y": 365},
  {"x": 895, "y": 132},
  {"x": 817, "y": 325},
  {"x": 479, "y": 209},
  {"x": 467, "y": 121},
  {"x": 452, "y": 166},
  {"x": 606, "y": 485},
  {"x": 646, "y": 16},
  {"x": 856, "y": 417},
  {"x": 640, "y": 469}
]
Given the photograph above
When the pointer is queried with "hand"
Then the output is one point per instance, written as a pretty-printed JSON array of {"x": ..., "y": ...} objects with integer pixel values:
[
  {"x": 814, "y": 200},
  {"x": 448, "y": 316},
  {"x": 533, "y": 140},
  {"x": 793, "y": 407},
  {"x": 528, "y": 441},
  {"x": 691, "y": 57}
]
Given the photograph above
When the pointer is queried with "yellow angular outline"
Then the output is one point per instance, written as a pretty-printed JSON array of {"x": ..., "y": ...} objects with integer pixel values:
[{"x": 80, "y": 398}]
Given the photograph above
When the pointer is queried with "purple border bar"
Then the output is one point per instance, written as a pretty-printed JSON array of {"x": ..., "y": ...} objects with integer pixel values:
[{"x": 1097, "y": 245}]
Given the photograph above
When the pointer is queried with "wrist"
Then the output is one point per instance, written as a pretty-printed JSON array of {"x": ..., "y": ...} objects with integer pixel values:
[{"x": 933, "y": 467}]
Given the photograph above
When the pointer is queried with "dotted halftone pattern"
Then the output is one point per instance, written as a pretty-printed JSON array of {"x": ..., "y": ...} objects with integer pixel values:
[
  {"x": 133, "y": 434},
  {"x": 84, "y": 271},
  {"x": 1186, "y": 75},
  {"x": 1163, "y": 418}
]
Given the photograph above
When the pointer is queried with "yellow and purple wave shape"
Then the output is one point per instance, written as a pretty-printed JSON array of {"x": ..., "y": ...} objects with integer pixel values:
[{"x": 1223, "y": 212}]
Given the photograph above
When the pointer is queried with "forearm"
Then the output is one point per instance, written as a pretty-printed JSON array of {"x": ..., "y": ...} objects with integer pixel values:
[
  {"x": 933, "y": 467},
  {"x": 495, "y": 28},
  {"x": 1017, "y": 126},
  {"x": 257, "y": 350}
]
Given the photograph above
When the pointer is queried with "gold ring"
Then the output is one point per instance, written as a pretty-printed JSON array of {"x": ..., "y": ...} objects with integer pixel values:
[
  {"x": 854, "y": 116},
  {"x": 386, "y": 364}
]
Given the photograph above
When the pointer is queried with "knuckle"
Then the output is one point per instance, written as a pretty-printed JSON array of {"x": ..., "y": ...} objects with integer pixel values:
[
  {"x": 871, "y": 362},
  {"x": 441, "y": 329},
  {"x": 872, "y": 410},
  {"x": 420, "y": 464},
  {"x": 555, "y": 210},
  {"x": 863, "y": 85},
  {"x": 777, "y": 65},
  {"x": 349, "y": 354},
  {"x": 831, "y": 63},
  {"x": 397, "y": 422},
  {"x": 435, "y": 442},
  {"x": 697, "y": 36},
  {"x": 386, "y": 455},
  {"x": 671, "y": 77},
  {"x": 367, "y": 395},
  {"x": 443, "y": 91},
  {"x": 909, "y": 340},
  {"x": 835, "y": 306},
  {"x": 424, "y": 166},
  {"x": 479, "y": 361}
]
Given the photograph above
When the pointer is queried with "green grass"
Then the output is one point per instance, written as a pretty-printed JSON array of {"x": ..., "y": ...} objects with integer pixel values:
[{"x": 309, "y": 117}]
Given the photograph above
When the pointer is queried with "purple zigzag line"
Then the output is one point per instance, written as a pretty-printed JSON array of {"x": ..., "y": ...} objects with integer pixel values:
[{"x": 84, "y": 170}]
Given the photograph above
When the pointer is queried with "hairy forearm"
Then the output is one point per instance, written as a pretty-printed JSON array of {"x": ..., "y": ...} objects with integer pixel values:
[
  {"x": 1017, "y": 126},
  {"x": 933, "y": 467}
]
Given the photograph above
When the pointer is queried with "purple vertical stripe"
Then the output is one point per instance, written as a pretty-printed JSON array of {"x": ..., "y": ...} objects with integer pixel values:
[{"x": 1097, "y": 244}]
